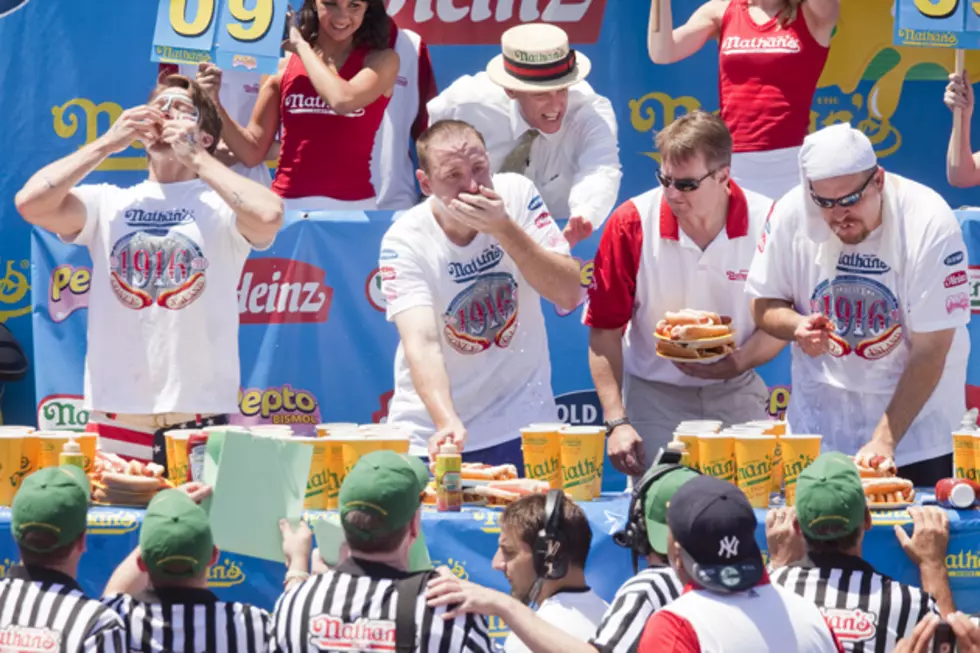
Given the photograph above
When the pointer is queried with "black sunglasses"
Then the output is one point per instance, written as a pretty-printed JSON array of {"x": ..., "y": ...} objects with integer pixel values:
[
  {"x": 683, "y": 185},
  {"x": 845, "y": 200}
]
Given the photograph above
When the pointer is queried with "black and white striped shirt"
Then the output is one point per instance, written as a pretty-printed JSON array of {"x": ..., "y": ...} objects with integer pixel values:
[
  {"x": 635, "y": 601},
  {"x": 45, "y": 610},
  {"x": 353, "y": 607},
  {"x": 189, "y": 620},
  {"x": 869, "y": 611}
]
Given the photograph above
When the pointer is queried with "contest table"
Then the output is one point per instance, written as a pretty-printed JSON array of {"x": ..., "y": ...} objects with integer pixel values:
[{"x": 466, "y": 541}]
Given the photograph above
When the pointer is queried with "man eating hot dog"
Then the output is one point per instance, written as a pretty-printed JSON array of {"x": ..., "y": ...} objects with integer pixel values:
[
  {"x": 866, "y": 273},
  {"x": 676, "y": 257}
]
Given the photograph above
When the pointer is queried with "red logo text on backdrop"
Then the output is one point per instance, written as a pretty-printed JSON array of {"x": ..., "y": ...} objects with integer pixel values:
[{"x": 281, "y": 290}]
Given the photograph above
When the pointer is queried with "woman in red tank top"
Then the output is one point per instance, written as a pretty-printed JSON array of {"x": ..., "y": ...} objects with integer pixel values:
[
  {"x": 328, "y": 100},
  {"x": 770, "y": 57}
]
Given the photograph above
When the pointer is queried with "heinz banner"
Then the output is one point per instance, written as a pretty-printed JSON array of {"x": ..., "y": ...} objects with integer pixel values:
[{"x": 314, "y": 342}]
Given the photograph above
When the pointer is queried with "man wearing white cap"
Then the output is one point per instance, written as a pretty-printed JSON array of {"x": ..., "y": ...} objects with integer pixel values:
[
  {"x": 866, "y": 272},
  {"x": 542, "y": 120}
]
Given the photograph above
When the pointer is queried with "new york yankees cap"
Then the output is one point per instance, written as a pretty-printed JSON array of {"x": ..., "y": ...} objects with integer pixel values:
[{"x": 715, "y": 525}]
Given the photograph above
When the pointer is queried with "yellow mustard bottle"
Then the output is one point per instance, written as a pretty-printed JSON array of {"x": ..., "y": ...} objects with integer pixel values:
[{"x": 449, "y": 479}]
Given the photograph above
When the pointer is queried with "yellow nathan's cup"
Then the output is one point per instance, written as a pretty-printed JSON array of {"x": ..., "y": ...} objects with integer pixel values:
[
  {"x": 274, "y": 430},
  {"x": 51, "y": 444},
  {"x": 18, "y": 459},
  {"x": 690, "y": 441},
  {"x": 541, "y": 450},
  {"x": 582, "y": 450},
  {"x": 318, "y": 480},
  {"x": 964, "y": 455},
  {"x": 753, "y": 467},
  {"x": 716, "y": 455},
  {"x": 343, "y": 452},
  {"x": 777, "y": 428},
  {"x": 334, "y": 428},
  {"x": 700, "y": 426},
  {"x": 178, "y": 462},
  {"x": 335, "y": 471},
  {"x": 13, "y": 428},
  {"x": 798, "y": 452},
  {"x": 975, "y": 444}
]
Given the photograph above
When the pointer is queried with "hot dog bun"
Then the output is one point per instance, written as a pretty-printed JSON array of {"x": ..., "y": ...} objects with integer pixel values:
[
  {"x": 677, "y": 351},
  {"x": 874, "y": 466},
  {"x": 698, "y": 331},
  {"x": 888, "y": 490}
]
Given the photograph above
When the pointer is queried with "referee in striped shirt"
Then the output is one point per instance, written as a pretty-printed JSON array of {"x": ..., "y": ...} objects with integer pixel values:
[
  {"x": 354, "y": 606},
  {"x": 869, "y": 611},
  {"x": 634, "y": 603},
  {"x": 161, "y": 591},
  {"x": 42, "y": 607}
]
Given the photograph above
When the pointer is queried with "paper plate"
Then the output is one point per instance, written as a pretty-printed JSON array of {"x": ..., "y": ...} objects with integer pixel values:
[
  {"x": 696, "y": 361},
  {"x": 900, "y": 505},
  {"x": 701, "y": 343}
]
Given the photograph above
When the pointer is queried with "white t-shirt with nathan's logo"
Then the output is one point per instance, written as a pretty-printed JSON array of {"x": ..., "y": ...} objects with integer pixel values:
[
  {"x": 878, "y": 297},
  {"x": 163, "y": 310},
  {"x": 492, "y": 327}
]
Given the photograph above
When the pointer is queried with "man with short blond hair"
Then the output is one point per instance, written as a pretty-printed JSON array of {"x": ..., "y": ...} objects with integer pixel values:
[{"x": 687, "y": 244}]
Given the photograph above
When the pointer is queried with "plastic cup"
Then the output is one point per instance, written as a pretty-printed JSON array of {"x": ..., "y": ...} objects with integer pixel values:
[
  {"x": 700, "y": 425},
  {"x": 318, "y": 480},
  {"x": 53, "y": 442},
  {"x": 753, "y": 467},
  {"x": 271, "y": 429},
  {"x": 178, "y": 460},
  {"x": 798, "y": 452},
  {"x": 716, "y": 455},
  {"x": 582, "y": 451},
  {"x": 541, "y": 449},
  {"x": 18, "y": 459},
  {"x": 690, "y": 441},
  {"x": 329, "y": 429},
  {"x": 964, "y": 455},
  {"x": 975, "y": 470}
]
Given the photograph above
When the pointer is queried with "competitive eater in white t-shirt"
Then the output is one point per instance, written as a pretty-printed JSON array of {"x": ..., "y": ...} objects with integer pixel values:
[
  {"x": 167, "y": 255},
  {"x": 866, "y": 272},
  {"x": 463, "y": 274}
]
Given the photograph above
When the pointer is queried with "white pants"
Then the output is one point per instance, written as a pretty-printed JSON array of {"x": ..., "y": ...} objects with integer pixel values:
[{"x": 772, "y": 174}]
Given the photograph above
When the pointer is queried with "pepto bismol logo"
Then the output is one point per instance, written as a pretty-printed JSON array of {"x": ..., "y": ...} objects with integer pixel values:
[
  {"x": 62, "y": 413},
  {"x": 281, "y": 290},
  {"x": 68, "y": 291},
  {"x": 284, "y": 405}
]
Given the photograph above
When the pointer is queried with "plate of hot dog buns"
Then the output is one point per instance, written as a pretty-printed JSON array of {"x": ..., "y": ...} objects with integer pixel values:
[
  {"x": 118, "y": 482},
  {"x": 883, "y": 489},
  {"x": 692, "y": 336}
]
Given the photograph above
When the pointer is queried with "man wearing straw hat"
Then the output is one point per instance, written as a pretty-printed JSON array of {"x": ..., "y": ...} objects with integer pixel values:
[
  {"x": 866, "y": 273},
  {"x": 542, "y": 120}
]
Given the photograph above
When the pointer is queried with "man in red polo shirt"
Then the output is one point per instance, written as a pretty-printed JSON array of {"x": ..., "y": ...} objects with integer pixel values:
[{"x": 686, "y": 244}]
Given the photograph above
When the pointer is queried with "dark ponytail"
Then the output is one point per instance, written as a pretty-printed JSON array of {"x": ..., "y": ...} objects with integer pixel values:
[{"x": 375, "y": 30}]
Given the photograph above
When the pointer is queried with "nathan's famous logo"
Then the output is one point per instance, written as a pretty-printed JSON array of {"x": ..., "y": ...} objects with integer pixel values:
[
  {"x": 112, "y": 522},
  {"x": 457, "y": 567},
  {"x": 62, "y": 413},
  {"x": 14, "y": 288},
  {"x": 973, "y": 278},
  {"x": 278, "y": 290},
  {"x": 27, "y": 639},
  {"x": 852, "y": 624},
  {"x": 374, "y": 288},
  {"x": 754, "y": 473},
  {"x": 965, "y": 563},
  {"x": 225, "y": 573},
  {"x": 778, "y": 401},
  {"x": 489, "y": 521},
  {"x": 586, "y": 279},
  {"x": 283, "y": 405},
  {"x": 68, "y": 291},
  {"x": 794, "y": 466},
  {"x": 482, "y": 22},
  {"x": 463, "y": 272},
  {"x": 24, "y": 468},
  {"x": 496, "y": 627},
  {"x": 329, "y": 633}
]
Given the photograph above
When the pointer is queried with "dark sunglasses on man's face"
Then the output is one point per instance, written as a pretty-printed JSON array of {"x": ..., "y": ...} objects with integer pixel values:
[
  {"x": 688, "y": 185},
  {"x": 845, "y": 200}
]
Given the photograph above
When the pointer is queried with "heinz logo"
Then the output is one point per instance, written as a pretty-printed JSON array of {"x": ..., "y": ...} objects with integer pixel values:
[
  {"x": 281, "y": 290},
  {"x": 482, "y": 22}
]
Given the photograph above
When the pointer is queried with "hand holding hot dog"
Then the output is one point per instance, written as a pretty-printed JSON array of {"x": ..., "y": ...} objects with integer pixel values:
[{"x": 813, "y": 334}]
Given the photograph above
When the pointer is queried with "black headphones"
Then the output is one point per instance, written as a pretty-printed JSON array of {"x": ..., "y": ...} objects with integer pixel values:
[
  {"x": 634, "y": 535},
  {"x": 550, "y": 558}
]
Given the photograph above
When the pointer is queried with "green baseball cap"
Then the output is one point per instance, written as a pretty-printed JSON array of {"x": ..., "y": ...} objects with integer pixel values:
[
  {"x": 175, "y": 539},
  {"x": 655, "y": 504},
  {"x": 830, "y": 500},
  {"x": 54, "y": 500},
  {"x": 385, "y": 483}
]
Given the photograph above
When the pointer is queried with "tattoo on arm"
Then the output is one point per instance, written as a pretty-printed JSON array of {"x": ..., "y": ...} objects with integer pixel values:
[
  {"x": 47, "y": 182},
  {"x": 236, "y": 199}
]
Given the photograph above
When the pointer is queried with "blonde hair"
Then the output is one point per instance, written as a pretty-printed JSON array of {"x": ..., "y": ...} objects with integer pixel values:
[{"x": 697, "y": 132}]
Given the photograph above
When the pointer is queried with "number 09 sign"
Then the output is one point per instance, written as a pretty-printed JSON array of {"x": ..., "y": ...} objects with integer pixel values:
[
  {"x": 235, "y": 34},
  {"x": 938, "y": 23}
]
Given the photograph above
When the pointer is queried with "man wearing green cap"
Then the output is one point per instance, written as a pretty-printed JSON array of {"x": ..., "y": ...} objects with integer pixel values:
[
  {"x": 866, "y": 609},
  {"x": 50, "y": 611},
  {"x": 161, "y": 591},
  {"x": 354, "y": 605},
  {"x": 634, "y": 603}
]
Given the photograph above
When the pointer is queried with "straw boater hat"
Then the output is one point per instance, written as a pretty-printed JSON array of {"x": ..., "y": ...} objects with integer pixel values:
[{"x": 537, "y": 57}]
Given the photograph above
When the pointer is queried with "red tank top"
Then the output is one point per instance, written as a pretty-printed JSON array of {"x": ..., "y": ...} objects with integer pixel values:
[
  {"x": 767, "y": 78},
  {"x": 325, "y": 154}
]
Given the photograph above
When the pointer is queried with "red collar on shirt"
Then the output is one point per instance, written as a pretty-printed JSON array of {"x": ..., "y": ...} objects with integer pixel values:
[
  {"x": 737, "y": 222},
  {"x": 691, "y": 586}
]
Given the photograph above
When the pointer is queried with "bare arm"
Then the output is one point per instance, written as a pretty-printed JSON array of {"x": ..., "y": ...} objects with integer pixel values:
[
  {"x": 927, "y": 356},
  {"x": 421, "y": 343},
  {"x": 606, "y": 364},
  {"x": 258, "y": 210},
  {"x": 128, "y": 578},
  {"x": 959, "y": 96},
  {"x": 556, "y": 277},
  {"x": 776, "y": 317},
  {"x": 375, "y": 79},
  {"x": 669, "y": 45},
  {"x": 252, "y": 143}
]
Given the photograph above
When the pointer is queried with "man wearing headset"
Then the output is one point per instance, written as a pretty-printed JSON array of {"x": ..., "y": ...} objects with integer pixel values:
[{"x": 621, "y": 626}]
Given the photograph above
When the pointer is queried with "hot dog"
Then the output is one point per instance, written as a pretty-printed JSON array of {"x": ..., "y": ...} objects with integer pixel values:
[
  {"x": 686, "y": 317},
  {"x": 698, "y": 331},
  {"x": 874, "y": 466},
  {"x": 131, "y": 483},
  {"x": 888, "y": 490}
]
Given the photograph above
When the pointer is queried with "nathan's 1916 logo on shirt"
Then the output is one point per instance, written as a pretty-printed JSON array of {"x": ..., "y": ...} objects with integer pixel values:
[
  {"x": 973, "y": 278},
  {"x": 157, "y": 267},
  {"x": 865, "y": 312},
  {"x": 68, "y": 291},
  {"x": 483, "y": 315},
  {"x": 329, "y": 633},
  {"x": 482, "y": 22},
  {"x": 284, "y": 405},
  {"x": 854, "y": 625},
  {"x": 24, "y": 639},
  {"x": 62, "y": 413},
  {"x": 282, "y": 290}
]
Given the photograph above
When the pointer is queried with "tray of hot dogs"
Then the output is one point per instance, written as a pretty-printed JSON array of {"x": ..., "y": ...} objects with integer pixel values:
[{"x": 693, "y": 336}]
